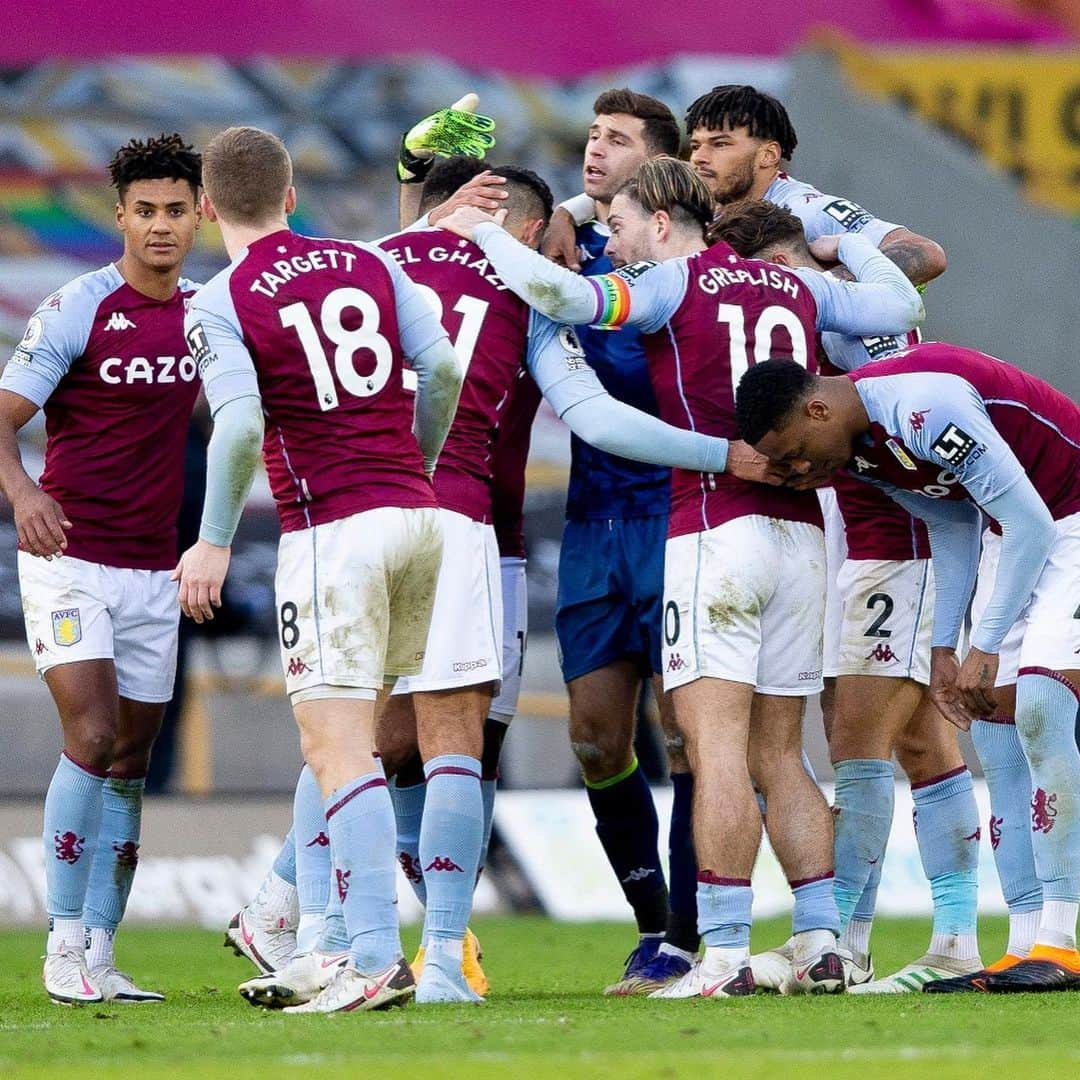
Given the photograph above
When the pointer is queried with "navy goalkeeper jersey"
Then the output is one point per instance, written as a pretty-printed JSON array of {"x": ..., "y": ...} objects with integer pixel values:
[{"x": 603, "y": 485}]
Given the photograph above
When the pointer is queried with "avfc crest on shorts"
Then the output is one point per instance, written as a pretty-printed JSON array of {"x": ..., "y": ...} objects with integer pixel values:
[{"x": 67, "y": 627}]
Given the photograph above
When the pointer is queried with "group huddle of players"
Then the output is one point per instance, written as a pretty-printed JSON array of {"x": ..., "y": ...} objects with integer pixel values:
[{"x": 764, "y": 459}]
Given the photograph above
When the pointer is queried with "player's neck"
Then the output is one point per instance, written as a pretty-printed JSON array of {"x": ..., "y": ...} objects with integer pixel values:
[
  {"x": 603, "y": 209},
  {"x": 847, "y": 396},
  {"x": 157, "y": 284},
  {"x": 238, "y": 237},
  {"x": 681, "y": 244}
]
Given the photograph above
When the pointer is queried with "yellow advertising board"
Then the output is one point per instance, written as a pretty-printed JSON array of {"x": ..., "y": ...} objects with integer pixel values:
[{"x": 1019, "y": 107}]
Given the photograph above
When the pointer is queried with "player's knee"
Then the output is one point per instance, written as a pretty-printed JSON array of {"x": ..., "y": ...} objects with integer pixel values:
[
  {"x": 675, "y": 745},
  {"x": 92, "y": 741}
]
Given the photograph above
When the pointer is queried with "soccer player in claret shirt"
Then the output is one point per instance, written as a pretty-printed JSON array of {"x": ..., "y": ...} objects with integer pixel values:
[
  {"x": 886, "y": 588},
  {"x": 744, "y": 563},
  {"x": 105, "y": 358},
  {"x": 953, "y": 434},
  {"x": 313, "y": 334}
]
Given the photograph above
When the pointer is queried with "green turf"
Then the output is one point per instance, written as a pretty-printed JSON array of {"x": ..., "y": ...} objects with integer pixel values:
[{"x": 544, "y": 1018}]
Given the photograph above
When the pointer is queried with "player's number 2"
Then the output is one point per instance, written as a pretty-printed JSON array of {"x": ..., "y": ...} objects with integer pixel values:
[
  {"x": 364, "y": 338},
  {"x": 733, "y": 316}
]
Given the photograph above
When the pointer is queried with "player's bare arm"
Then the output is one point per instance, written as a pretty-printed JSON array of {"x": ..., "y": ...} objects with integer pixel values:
[
  {"x": 39, "y": 519},
  {"x": 483, "y": 192},
  {"x": 920, "y": 258}
]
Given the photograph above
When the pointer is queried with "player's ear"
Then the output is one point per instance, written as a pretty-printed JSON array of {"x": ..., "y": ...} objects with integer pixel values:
[
  {"x": 769, "y": 155},
  {"x": 662, "y": 224},
  {"x": 531, "y": 231},
  {"x": 817, "y": 409},
  {"x": 120, "y": 214},
  {"x": 207, "y": 207},
  {"x": 290, "y": 200},
  {"x": 781, "y": 258}
]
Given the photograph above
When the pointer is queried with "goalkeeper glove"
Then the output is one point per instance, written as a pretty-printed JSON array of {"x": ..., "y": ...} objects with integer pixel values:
[{"x": 456, "y": 130}]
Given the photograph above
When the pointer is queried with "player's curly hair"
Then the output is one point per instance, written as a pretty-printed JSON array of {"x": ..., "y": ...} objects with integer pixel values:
[
  {"x": 167, "y": 157},
  {"x": 734, "y": 106},
  {"x": 668, "y": 184},
  {"x": 767, "y": 395},
  {"x": 528, "y": 193},
  {"x": 756, "y": 227}
]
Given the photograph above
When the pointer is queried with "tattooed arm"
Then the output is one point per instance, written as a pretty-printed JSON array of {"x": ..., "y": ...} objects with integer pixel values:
[{"x": 921, "y": 259}]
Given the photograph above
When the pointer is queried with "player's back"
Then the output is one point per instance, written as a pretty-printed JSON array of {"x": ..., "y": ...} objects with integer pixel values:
[
  {"x": 319, "y": 318},
  {"x": 735, "y": 312},
  {"x": 488, "y": 325},
  {"x": 603, "y": 485},
  {"x": 1040, "y": 424}
]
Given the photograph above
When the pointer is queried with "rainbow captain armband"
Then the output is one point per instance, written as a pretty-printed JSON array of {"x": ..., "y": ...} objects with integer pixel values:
[{"x": 612, "y": 301}]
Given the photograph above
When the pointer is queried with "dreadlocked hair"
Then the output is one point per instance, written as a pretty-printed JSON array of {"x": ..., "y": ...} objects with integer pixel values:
[
  {"x": 744, "y": 106},
  {"x": 167, "y": 157},
  {"x": 668, "y": 184}
]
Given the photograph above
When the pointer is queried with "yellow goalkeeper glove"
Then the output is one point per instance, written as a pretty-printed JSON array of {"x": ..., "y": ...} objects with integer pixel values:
[{"x": 456, "y": 130}]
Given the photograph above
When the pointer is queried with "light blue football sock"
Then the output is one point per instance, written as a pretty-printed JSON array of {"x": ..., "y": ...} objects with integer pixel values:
[
  {"x": 333, "y": 937},
  {"x": 1009, "y": 783},
  {"x": 947, "y": 829},
  {"x": 867, "y": 905},
  {"x": 73, "y": 809},
  {"x": 360, "y": 820},
  {"x": 117, "y": 853},
  {"x": 487, "y": 793},
  {"x": 285, "y": 861},
  {"x": 862, "y": 818},
  {"x": 409, "y": 813},
  {"x": 312, "y": 848},
  {"x": 723, "y": 907},
  {"x": 815, "y": 906},
  {"x": 451, "y": 835},
  {"x": 1046, "y": 724}
]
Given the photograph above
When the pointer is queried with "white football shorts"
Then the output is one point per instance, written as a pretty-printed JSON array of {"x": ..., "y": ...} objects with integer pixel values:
[
  {"x": 1047, "y": 634},
  {"x": 745, "y": 601},
  {"x": 464, "y": 644},
  {"x": 835, "y": 554},
  {"x": 354, "y": 600},
  {"x": 77, "y": 610},
  {"x": 888, "y": 618}
]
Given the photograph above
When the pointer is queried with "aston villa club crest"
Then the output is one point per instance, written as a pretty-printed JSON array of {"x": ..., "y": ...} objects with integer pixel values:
[{"x": 67, "y": 626}]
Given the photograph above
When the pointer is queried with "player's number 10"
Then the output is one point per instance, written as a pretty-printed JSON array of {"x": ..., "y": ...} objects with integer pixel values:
[{"x": 770, "y": 318}]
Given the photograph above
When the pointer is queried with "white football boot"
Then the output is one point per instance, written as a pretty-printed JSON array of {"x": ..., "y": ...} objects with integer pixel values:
[
  {"x": 353, "y": 991},
  {"x": 301, "y": 979},
  {"x": 710, "y": 980},
  {"x": 67, "y": 980},
  {"x": 120, "y": 988},
  {"x": 911, "y": 978}
]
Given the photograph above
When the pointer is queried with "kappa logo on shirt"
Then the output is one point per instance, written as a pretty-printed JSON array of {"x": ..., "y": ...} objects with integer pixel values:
[
  {"x": 118, "y": 321},
  {"x": 862, "y": 465},
  {"x": 918, "y": 418}
]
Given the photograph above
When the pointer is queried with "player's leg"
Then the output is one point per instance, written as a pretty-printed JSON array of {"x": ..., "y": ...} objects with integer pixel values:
[
  {"x": 604, "y": 566},
  {"x": 117, "y": 856},
  {"x": 1047, "y": 696},
  {"x": 350, "y": 641},
  {"x": 800, "y": 830},
  {"x": 144, "y": 614}
]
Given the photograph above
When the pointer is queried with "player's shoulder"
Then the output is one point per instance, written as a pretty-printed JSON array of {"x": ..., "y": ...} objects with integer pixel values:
[
  {"x": 83, "y": 293},
  {"x": 188, "y": 287},
  {"x": 789, "y": 192}
]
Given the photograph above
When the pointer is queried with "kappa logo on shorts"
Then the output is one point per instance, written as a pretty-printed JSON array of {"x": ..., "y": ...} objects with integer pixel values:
[
  {"x": 469, "y": 665},
  {"x": 67, "y": 627},
  {"x": 810, "y": 676},
  {"x": 675, "y": 662},
  {"x": 297, "y": 666},
  {"x": 40, "y": 647},
  {"x": 882, "y": 653}
]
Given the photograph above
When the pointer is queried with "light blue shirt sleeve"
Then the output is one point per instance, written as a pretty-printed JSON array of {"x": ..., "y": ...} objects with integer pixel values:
[
  {"x": 232, "y": 391},
  {"x": 643, "y": 294},
  {"x": 881, "y": 301},
  {"x": 216, "y": 341},
  {"x": 827, "y": 215},
  {"x": 556, "y": 361},
  {"x": 56, "y": 336}
]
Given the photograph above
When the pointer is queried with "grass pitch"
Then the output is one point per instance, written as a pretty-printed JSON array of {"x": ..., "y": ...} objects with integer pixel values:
[{"x": 545, "y": 1018}]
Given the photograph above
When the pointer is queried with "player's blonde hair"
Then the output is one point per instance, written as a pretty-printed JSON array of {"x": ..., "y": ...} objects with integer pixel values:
[
  {"x": 246, "y": 173},
  {"x": 668, "y": 184}
]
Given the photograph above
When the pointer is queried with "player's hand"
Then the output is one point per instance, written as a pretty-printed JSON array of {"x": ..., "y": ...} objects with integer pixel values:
[
  {"x": 465, "y": 219},
  {"x": 41, "y": 524},
  {"x": 201, "y": 572},
  {"x": 826, "y": 249},
  {"x": 944, "y": 674},
  {"x": 483, "y": 191},
  {"x": 975, "y": 683},
  {"x": 460, "y": 129},
  {"x": 746, "y": 463},
  {"x": 560, "y": 240}
]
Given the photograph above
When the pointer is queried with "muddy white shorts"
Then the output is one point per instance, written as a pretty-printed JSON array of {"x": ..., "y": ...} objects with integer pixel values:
[
  {"x": 464, "y": 644},
  {"x": 354, "y": 600},
  {"x": 745, "y": 602}
]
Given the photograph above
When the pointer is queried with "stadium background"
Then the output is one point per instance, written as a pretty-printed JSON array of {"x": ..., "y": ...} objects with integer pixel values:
[{"x": 958, "y": 117}]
